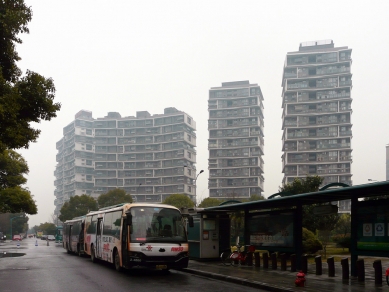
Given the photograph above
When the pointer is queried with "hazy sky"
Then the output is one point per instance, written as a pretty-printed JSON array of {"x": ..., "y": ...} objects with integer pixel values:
[{"x": 130, "y": 56}]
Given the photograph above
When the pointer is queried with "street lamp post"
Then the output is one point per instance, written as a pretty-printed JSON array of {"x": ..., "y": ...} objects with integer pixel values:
[
  {"x": 137, "y": 192},
  {"x": 195, "y": 198},
  {"x": 20, "y": 216}
]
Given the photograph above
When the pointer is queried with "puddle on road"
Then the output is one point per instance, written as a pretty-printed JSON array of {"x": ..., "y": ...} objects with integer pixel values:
[{"x": 11, "y": 254}]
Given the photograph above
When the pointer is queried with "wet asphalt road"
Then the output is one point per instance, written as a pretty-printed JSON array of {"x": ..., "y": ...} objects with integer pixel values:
[{"x": 49, "y": 268}]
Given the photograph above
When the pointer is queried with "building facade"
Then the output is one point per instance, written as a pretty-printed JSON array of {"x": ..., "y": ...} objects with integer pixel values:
[
  {"x": 235, "y": 140},
  {"x": 149, "y": 156},
  {"x": 316, "y": 119}
]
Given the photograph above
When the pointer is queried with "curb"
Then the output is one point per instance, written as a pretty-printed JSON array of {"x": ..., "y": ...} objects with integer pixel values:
[{"x": 240, "y": 281}]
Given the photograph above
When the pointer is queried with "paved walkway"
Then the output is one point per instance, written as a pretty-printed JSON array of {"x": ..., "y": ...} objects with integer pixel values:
[{"x": 277, "y": 280}]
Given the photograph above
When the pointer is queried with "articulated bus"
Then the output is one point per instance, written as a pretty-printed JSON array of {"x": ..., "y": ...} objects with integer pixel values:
[
  {"x": 138, "y": 235},
  {"x": 58, "y": 234},
  {"x": 73, "y": 235}
]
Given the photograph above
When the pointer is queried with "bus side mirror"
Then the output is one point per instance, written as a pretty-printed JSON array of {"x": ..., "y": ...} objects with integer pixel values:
[
  {"x": 190, "y": 220},
  {"x": 129, "y": 219}
]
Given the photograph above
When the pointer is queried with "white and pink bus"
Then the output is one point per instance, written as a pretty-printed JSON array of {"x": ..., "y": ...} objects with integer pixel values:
[{"x": 138, "y": 235}]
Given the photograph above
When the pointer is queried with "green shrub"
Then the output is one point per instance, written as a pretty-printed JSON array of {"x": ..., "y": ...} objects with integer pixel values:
[
  {"x": 310, "y": 243},
  {"x": 342, "y": 240}
]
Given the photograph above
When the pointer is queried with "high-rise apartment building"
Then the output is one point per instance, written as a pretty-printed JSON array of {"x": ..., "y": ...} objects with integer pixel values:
[
  {"x": 235, "y": 140},
  {"x": 149, "y": 156},
  {"x": 316, "y": 120}
]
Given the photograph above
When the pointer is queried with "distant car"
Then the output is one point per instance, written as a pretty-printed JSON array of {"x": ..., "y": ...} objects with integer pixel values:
[
  {"x": 51, "y": 237},
  {"x": 44, "y": 237},
  {"x": 2, "y": 236},
  {"x": 17, "y": 237}
]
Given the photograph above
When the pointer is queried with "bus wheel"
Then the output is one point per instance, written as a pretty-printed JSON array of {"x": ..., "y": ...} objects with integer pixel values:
[
  {"x": 116, "y": 261},
  {"x": 92, "y": 255}
]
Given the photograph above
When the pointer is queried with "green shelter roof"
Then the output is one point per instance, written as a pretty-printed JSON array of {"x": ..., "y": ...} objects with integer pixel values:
[{"x": 324, "y": 196}]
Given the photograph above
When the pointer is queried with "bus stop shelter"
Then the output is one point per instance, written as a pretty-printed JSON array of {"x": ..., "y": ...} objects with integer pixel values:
[{"x": 369, "y": 219}]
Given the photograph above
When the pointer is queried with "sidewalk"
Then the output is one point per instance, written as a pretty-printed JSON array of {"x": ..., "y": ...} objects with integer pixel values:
[{"x": 277, "y": 280}]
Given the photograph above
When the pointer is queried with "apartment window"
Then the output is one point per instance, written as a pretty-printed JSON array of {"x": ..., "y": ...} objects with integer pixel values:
[
  {"x": 189, "y": 137},
  {"x": 189, "y": 120}
]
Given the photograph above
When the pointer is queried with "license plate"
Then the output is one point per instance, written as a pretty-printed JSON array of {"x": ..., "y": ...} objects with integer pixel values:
[{"x": 161, "y": 267}]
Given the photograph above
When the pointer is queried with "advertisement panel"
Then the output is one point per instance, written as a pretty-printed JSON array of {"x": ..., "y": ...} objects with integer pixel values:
[
  {"x": 373, "y": 226},
  {"x": 272, "y": 230}
]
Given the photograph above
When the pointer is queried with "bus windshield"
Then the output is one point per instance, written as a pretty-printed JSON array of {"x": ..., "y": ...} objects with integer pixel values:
[{"x": 157, "y": 224}]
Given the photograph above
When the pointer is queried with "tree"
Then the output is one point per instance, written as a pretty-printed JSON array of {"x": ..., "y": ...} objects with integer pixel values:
[
  {"x": 17, "y": 199},
  {"x": 179, "y": 201},
  {"x": 342, "y": 231},
  {"x": 53, "y": 218},
  {"x": 209, "y": 202},
  {"x": 18, "y": 223},
  {"x": 14, "y": 18},
  {"x": 310, "y": 242},
  {"x": 77, "y": 206},
  {"x": 14, "y": 198},
  {"x": 301, "y": 186},
  {"x": 344, "y": 225},
  {"x": 23, "y": 100},
  {"x": 311, "y": 221},
  {"x": 12, "y": 168},
  {"x": 254, "y": 198},
  {"x": 47, "y": 228},
  {"x": 114, "y": 197}
]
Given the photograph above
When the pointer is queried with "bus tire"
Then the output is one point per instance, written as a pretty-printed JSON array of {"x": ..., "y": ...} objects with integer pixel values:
[
  {"x": 116, "y": 261},
  {"x": 92, "y": 255}
]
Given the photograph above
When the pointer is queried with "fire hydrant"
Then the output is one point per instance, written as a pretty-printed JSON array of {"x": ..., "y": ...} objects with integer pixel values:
[
  {"x": 387, "y": 275},
  {"x": 300, "y": 279}
]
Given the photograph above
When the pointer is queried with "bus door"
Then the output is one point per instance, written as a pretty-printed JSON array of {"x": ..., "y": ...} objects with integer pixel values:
[
  {"x": 124, "y": 243},
  {"x": 81, "y": 237},
  {"x": 99, "y": 237},
  {"x": 70, "y": 237}
]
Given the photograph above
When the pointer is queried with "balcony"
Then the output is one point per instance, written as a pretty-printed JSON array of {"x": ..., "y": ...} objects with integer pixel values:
[
  {"x": 303, "y": 110},
  {"x": 334, "y": 171},
  {"x": 333, "y": 70},
  {"x": 290, "y": 74},
  {"x": 345, "y": 83},
  {"x": 290, "y": 123},
  {"x": 290, "y": 172},
  {"x": 345, "y": 133},
  {"x": 345, "y": 158},
  {"x": 333, "y": 146},
  {"x": 290, "y": 148}
]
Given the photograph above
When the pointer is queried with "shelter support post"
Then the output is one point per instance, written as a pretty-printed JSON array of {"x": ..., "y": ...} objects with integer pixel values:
[
  {"x": 246, "y": 227},
  {"x": 298, "y": 235},
  {"x": 354, "y": 235}
]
